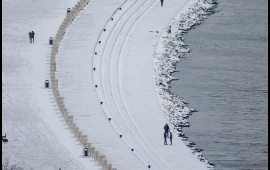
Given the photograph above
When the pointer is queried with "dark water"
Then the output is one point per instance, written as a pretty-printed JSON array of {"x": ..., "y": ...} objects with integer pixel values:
[{"x": 225, "y": 77}]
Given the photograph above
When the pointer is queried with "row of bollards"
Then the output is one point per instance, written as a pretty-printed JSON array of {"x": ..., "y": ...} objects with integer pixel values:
[
  {"x": 71, "y": 14},
  {"x": 101, "y": 102},
  {"x": 89, "y": 150},
  {"x": 132, "y": 149}
]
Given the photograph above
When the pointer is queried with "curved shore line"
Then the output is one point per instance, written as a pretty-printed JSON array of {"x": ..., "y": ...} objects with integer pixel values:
[{"x": 170, "y": 50}]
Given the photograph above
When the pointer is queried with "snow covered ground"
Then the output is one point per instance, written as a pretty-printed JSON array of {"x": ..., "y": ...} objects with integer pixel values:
[
  {"x": 121, "y": 67},
  {"x": 38, "y": 137}
]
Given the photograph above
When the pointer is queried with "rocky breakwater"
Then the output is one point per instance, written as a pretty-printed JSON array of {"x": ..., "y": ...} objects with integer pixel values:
[{"x": 170, "y": 50}]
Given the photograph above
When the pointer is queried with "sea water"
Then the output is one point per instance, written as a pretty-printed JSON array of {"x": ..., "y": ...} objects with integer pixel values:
[{"x": 225, "y": 78}]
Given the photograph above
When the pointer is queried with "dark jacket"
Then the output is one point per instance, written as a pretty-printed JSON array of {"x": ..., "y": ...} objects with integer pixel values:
[{"x": 166, "y": 128}]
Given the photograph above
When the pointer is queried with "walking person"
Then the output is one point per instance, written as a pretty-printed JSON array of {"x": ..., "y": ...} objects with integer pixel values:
[
  {"x": 167, "y": 129},
  {"x": 33, "y": 36},
  {"x": 171, "y": 137},
  {"x": 161, "y": 2},
  {"x": 30, "y": 37},
  {"x": 170, "y": 30},
  {"x": 165, "y": 138}
]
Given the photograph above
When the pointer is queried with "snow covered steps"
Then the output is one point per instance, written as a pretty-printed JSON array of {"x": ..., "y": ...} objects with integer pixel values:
[{"x": 83, "y": 139}]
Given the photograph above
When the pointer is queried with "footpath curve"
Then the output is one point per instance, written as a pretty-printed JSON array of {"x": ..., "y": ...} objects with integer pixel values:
[
  {"x": 105, "y": 64},
  {"x": 129, "y": 91},
  {"x": 91, "y": 151}
]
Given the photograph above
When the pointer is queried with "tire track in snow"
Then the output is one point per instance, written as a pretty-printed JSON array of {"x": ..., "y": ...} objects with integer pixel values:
[
  {"x": 126, "y": 119},
  {"x": 115, "y": 123},
  {"x": 95, "y": 76},
  {"x": 120, "y": 93},
  {"x": 108, "y": 91},
  {"x": 121, "y": 104}
]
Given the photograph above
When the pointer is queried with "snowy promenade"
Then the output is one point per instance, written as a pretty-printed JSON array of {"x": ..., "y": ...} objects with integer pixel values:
[
  {"x": 38, "y": 137},
  {"x": 122, "y": 69},
  {"x": 124, "y": 77}
]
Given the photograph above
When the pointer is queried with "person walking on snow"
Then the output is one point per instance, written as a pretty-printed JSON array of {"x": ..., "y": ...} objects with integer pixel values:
[
  {"x": 33, "y": 36},
  {"x": 167, "y": 129},
  {"x": 30, "y": 37},
  {"x": 165, "y": 138},
  {"x": 171, "y": 137},
  {"x": 170, "y": 30},
  {"x": 161, "y": 2}
]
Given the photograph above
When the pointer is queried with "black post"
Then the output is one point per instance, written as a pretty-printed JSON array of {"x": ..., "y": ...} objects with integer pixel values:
[
  {"x": 68, "y": 11},
  {"x": 51, "y": 41},
  {"x": 47, "y": 84},
  {"x": 85, "y": 151}
]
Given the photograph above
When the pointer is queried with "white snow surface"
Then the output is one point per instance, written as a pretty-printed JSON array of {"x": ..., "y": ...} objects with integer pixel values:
[{"x": 38, "y": 137}]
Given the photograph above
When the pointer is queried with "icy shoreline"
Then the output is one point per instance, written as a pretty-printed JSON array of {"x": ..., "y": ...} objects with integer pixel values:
[{"x": 170, "y": 50}]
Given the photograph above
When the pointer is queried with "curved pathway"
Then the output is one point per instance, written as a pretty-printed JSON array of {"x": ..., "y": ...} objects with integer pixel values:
[
  {"x": 99, "y": 78},
  {"x": 106, "y": 64},
  {"x": 87, "y": 112},
  {"x": 130, "y": 53}
]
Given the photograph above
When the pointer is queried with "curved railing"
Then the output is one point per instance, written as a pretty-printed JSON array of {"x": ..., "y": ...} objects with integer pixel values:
[{"x": 83, "y": 139}]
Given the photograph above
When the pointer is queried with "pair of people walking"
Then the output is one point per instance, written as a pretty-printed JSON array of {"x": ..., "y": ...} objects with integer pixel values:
[
  {"x": 31, "y": 36},
  {"x": 166, "y": 134}
]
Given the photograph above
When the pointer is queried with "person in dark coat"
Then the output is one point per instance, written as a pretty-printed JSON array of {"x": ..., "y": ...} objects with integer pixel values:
[
  {"x": 170, "y": 30},
  {"x": 165, "y": 138},
  {"x": 161, "y": 2},
  {"x": 33, "y": 36},
  {"x": 171, "y": 137},
  {"x": 30, "y": 37},
  {"x": 167, "y": 129}
]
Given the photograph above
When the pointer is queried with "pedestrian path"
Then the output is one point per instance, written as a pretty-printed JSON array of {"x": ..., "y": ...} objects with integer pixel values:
[
  {"x": 72, "y": 69},
  {"x": 131, "y": 86},
  {"x": 105, "y": 70}
]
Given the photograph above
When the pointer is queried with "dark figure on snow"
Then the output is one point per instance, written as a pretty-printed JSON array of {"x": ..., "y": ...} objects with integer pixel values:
[
  {"x": 171, "y": 137},
  {"x": 4, "y": 139},
  {"x": 33, "y": 36},
  {"x": 161, "y": 2},
  {"x": 30, "y": 37},
  {"x": 167, "y": 129},
  {"x": 165, "y": 138},
  {"x": 170, "y": 30}
]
